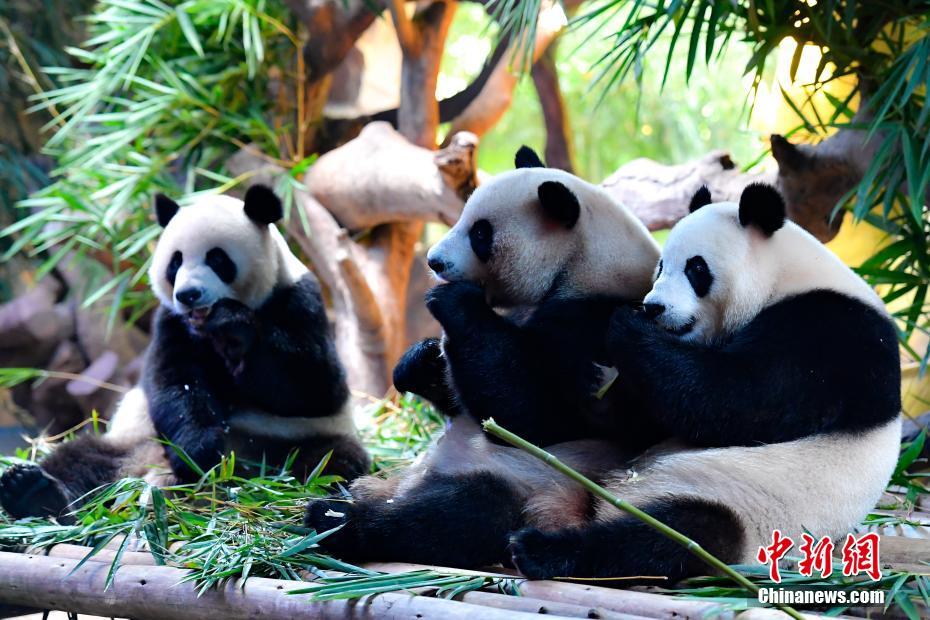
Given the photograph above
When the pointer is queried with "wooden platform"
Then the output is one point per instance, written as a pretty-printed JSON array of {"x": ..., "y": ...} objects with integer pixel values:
[{"x": 143, "y": 591}]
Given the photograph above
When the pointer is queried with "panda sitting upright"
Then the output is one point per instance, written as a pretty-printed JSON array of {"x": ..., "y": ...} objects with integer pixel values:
[
  {"x": 241, "y": 359},
  {"x": 565, "y": 252},
  {"x": 774, "y": 366},
  {"x": 532, "y": 272}
]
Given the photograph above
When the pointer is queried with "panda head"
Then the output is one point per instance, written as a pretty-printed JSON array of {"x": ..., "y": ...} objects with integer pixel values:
[
  {"x": 537, "y": 232},
  {"x": 220, "y": 247},
  {"x": 726, "y": 262}
]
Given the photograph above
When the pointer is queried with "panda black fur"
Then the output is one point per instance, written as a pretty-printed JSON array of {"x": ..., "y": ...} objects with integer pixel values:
[
  {"x": 777, "y": 370},
  {"x": 520, "y": 247},
  {"x": 241, "y": 359},
  {"x": 561, "y": 255}
]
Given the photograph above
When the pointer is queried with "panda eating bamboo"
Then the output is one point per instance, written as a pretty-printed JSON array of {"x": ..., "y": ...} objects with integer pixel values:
[{"x": 241, "y": 359}]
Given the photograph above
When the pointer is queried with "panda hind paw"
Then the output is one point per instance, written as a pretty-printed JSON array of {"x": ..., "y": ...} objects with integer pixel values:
[
  {"x": 26, "y": 490},
  {"x": 540, "y": 555},
  {"x": 322, "y": 515}
]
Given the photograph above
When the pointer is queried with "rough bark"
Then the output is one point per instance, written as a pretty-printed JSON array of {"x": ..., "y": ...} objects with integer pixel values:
[
  {"x": 333, "y": 27},
  {"x": 380, "y": 178},
  {"x": 658, "y": 194},
  {"x": 389, "y": 248},
  {"x": 495, "y": 97},
  {"x": 559, "y": 146},
  {"x": 813, "y": 179},
  {"x": 352, "y": 200}
]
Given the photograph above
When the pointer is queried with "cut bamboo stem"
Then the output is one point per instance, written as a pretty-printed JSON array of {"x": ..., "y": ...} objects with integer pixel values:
[
  {"x": 629, "y": 602},
  {"x": 691, "y": 545},
  {"x": 552, "y": 598},
  {"x": 156, "y": 593}
]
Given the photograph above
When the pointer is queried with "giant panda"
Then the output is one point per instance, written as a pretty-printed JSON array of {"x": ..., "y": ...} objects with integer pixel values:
[
  {"x": 241, "y": 359},
  {"x": 532, "y": 271},
  {"x": 775, "y": 368},
  {"x": 564, "y": 254}
]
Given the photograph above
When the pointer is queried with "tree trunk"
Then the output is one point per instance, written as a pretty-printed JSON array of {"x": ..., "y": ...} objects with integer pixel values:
[
  {"x": 495, "y": 97},
  {"x": 559, "y": 149}
]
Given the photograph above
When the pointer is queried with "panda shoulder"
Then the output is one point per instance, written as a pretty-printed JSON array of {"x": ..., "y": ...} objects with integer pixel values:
[
  {"x": 822, "y": 316},
  {"x": 296, "y": 298}
]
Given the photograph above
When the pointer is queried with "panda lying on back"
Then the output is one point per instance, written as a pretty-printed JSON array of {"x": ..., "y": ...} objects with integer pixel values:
[
  {"x": 241, "y": 359},
  {"x": 778, "y": 369}
]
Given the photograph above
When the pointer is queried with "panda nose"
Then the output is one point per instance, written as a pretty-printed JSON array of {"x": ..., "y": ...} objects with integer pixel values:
[
  {"x": 189, "y": 296},
  {"x": 436, "y": 264},
  {"x": 653, "y": 310}
]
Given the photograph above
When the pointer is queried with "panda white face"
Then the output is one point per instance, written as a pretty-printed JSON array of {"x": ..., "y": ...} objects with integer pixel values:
[
  {"x": 508, "y": 240},
  {"x": 217, "y": 248},
  {"x": 690, "y": 293},
  {"x": 537, "y": 232},
  {"x": 719, "y": 266}
]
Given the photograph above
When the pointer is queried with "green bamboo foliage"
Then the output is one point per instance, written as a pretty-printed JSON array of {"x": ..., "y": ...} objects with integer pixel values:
[
  {"x": 886, "y": 45},
  {"x": 164, "y": 94}
]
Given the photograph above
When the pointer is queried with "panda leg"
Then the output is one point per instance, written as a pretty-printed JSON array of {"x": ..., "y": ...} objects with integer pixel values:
[
  {"x": 451, "y": 520},
  {"x": 627, "y": 547},
  {"x": 73, "y": 469}
]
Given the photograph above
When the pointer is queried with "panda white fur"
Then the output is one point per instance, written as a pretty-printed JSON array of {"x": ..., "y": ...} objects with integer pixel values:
[
  {"x": 534, "y": 268},
  {"x": 241, "y": 359},
  {"x": 774, "y": 366},
  {"x": 560, "y": 255}
]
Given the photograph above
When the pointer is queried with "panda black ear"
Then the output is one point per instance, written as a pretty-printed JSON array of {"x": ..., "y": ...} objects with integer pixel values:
[
  {"x": 527, "y": 158},
  {"x": 262, "y": 205},
  {"x": 165, "y": 209},
  {"x": 700, "y": 199},
  {"x": 761, "y": 205},
  {"x": 559, "y": 203}
]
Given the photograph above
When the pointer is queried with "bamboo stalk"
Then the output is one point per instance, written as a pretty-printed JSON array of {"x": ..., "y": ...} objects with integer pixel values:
[
  {"x": 629, "y": 602},
  {"x": 691, "y": 545},
  {"x": 556, "y": 598},
  {"x": 156, "y": 593}
]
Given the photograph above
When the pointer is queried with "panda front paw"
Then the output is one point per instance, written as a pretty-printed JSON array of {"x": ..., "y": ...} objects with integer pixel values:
[
  {"x": 322, "y": 515},
  {"x": 456, "y": 304},
  {"x": 232, "y": 328},
  {"x": 206, "y": 453},
  {"x": 627, "y": 334},
  {"x": 28, "y": 491},
  {"x": 422, "y": 371}
]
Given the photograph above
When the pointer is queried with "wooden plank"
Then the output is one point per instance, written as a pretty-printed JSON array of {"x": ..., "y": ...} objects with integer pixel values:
[{"x": 155, "y": 593}]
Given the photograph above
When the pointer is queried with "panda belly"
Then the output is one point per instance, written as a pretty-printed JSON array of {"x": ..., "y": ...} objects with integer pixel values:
[
  {"x": 823, "y": 484},
  {"x": 550, "y": 500},
  {"x": 260, "y": 437},
  {"x": 253, "y": 435},
  {"x": 130, "y": 429}
]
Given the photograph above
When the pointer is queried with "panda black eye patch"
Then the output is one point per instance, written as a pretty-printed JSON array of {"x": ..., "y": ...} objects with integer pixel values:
[
  {"x": 218, "y": 260},
  {"x": 481, "y": 236},
  {"x": 699, "y": 275},
  {"x": 173, "y": 266}
]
